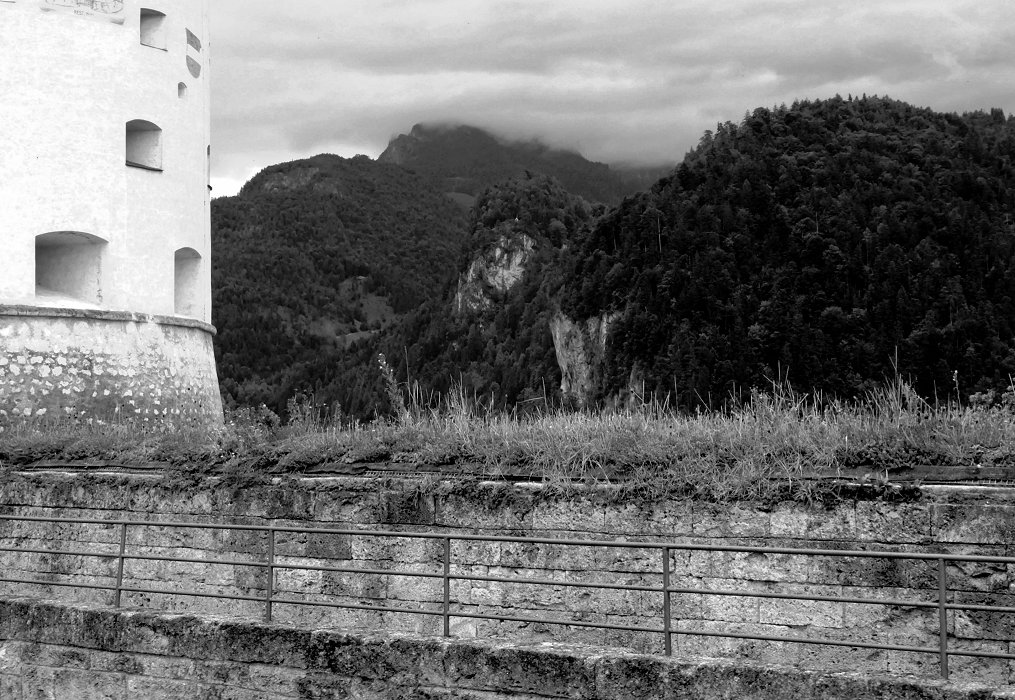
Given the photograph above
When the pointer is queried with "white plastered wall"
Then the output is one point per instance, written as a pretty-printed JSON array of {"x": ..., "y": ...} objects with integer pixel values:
[{"x": 72, "y": 84}]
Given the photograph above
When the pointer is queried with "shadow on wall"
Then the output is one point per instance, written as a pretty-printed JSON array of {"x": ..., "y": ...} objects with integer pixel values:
[{"x": 68, "y": 269}]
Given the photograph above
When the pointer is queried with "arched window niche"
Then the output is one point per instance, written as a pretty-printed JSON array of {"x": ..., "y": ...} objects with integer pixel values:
[
  {"x": 68, "y": 269},
  {"x": 181, "y": 90},
  {"x": 143, "y": 145},
  {"x": 153, "y": 28},
  {"x": 187, "y": 297}
]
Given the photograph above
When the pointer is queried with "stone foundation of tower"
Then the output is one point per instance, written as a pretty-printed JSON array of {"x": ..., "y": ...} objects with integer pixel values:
[{"x": 93, "y": 365}]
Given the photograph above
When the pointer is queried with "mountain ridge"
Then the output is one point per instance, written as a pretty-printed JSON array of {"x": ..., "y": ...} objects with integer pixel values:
[
  {"x": 840, "y": 240},
  {"x": 314, "y": 256},
  {"x": 464, "y": 159}
]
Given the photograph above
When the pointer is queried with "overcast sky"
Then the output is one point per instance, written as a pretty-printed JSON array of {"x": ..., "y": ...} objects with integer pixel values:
[{"x": 618, "y": 80}]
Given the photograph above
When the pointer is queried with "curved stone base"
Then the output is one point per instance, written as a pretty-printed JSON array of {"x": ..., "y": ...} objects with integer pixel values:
[{"x": 106, "y": 365}]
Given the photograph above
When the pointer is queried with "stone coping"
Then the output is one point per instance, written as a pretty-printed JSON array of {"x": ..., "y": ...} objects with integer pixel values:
[
  {"x": 401, "y": 665},
  {"x": 23, "y": 310}
]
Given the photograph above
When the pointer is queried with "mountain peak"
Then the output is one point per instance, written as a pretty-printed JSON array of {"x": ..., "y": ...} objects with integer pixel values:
[{"x": 466, "y": 160}]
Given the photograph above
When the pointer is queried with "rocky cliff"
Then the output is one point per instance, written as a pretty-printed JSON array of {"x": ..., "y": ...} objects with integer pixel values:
[
  {"x": 489, "y": 335},
  {"x": 580, "y": 347},
  {"x": 493, "y": 272}
]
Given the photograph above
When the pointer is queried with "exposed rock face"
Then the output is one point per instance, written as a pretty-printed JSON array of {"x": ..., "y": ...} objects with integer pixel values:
[
  {"x": 580, "y": 347},
  {"x": 493, "y": 273}
]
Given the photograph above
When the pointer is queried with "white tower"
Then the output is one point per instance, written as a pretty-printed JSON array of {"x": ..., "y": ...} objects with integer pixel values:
[{"x": 105, "y": 292}]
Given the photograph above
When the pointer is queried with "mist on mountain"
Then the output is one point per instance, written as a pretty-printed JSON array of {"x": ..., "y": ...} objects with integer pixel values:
[{"x": 464, "y": 160}]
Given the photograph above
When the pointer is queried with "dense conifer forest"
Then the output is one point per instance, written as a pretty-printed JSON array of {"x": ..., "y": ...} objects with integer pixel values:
[
  {"x": 820, "y": 241},
  {"x": 313, "y": 256},
  {"x": 834, "y": 242}
]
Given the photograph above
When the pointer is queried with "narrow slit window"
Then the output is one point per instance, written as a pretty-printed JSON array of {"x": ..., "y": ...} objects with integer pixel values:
[
  {"x": 181, "y": 90},
  {"x": 144, "y": 145},
  {"x": 153, "y": 29},
  {"x": 193, "y": 41}
]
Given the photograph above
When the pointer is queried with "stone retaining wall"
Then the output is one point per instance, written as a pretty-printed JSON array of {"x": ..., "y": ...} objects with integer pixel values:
[
  {"x": 942, "y": 521},
  {"x": 57, "y": 652}
]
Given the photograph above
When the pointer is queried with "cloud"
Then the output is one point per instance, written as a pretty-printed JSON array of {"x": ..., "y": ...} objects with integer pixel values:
[{"x": 631, "y": 80}]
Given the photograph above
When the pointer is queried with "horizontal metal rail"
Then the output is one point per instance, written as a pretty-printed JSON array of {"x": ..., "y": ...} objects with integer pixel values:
[
  {"x": 275, "y": 561},
  {"x": 551, "y": 582},
  {"x": 815, "y": 597},
  {"x": 355, "y": 606},
  {"x": 67, "y": 552},
  {"x": 465, "y": 614},
  {"x": 817, "y": 641},
  {"x": 194, "y": 594},
  {"x": 685, "y": 546},
  {"x": 63, "y": 584}
]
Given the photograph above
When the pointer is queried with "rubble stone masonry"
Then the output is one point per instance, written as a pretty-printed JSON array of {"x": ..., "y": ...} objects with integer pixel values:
[{"x": 106, "y": 365}]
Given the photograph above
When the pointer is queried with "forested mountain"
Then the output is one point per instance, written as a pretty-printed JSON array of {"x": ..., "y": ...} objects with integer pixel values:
[
  {"x": 835, "y": 242},
  {"x": 315, "y": 255},
  {"x": 465, "y": 160},
  {"x": 818, "y": 241}
]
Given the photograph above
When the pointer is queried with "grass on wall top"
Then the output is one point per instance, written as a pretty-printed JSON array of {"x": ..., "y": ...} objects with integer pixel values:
[{"x": 766, "y": 449}]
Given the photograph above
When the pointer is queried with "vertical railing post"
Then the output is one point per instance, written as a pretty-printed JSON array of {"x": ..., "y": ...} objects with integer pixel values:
[
  {"x": 942, "y": 600},
  {"x": 269, "y": 585},
  {"x": 447, "y": 587},
  {"x": 666, "y": 602},
  {"x": 119, "y": 564}
]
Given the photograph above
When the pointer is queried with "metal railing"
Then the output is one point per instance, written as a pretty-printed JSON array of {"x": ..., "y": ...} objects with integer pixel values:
[{"x": 669, "y": 628}]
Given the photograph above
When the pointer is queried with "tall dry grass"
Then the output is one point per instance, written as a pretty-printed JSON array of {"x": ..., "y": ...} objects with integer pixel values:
[{"x": 772, "y": 445}]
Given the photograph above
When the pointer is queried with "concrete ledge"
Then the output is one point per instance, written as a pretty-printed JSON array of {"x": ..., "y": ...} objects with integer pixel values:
[
  {"x": 22, "y": 310},
  {"x": 53, "y": 650}
]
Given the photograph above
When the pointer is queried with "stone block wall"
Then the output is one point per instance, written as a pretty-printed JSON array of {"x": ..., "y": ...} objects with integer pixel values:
[
  {"x": 956, "y": 521},
  {"x": 106, "y": 365},
  {"x": 57, "y": 652}
]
